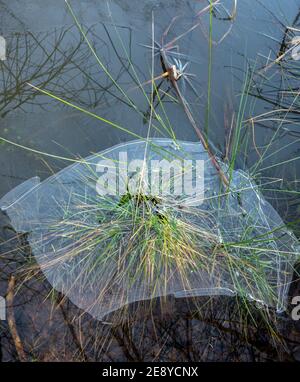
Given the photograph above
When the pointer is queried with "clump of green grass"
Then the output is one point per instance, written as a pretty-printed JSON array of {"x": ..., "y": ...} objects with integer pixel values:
[
  {"x": 116, "y": 250},
  {"x": 136, "y": 245}
]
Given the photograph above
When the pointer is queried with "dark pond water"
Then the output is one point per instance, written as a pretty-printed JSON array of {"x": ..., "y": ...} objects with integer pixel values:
[{"x": 46, "y": 49}]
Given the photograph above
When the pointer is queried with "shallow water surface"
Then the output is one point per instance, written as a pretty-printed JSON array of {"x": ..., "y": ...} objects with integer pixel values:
[{"x": 233, "y": 79}]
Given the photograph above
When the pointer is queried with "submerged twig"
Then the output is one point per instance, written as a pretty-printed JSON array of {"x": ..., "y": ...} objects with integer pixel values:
[{"x": 11, "y": 319}]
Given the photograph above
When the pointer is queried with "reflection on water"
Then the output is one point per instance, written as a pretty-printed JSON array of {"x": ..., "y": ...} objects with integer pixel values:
[{"x": 45, "y": 48}]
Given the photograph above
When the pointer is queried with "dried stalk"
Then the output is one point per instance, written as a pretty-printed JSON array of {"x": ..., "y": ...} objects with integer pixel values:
[{"x": 185, "y": 105}]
